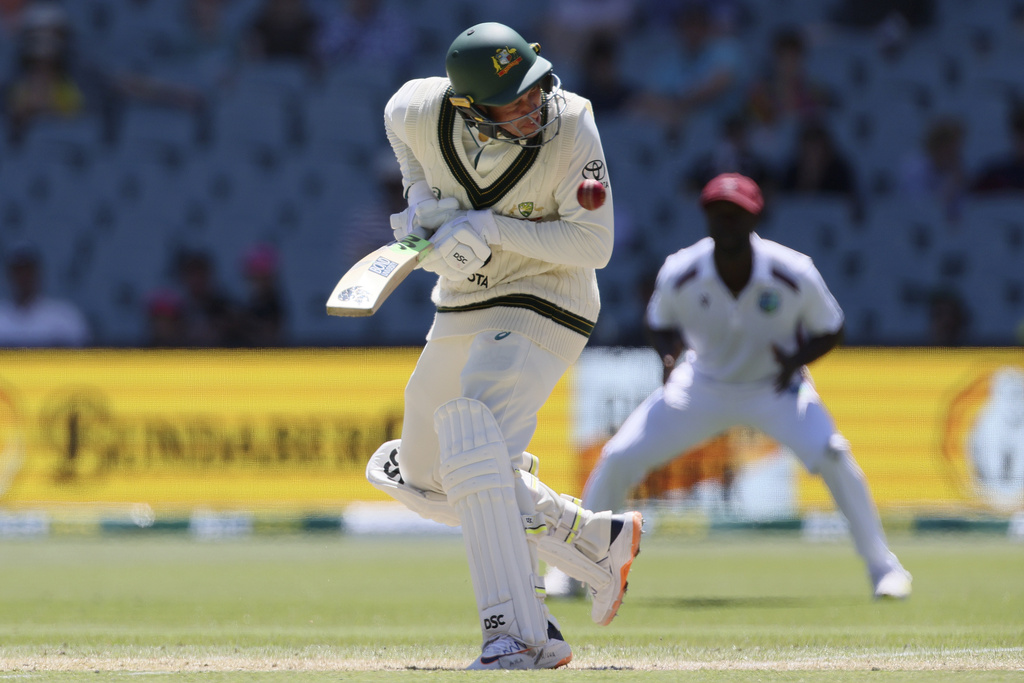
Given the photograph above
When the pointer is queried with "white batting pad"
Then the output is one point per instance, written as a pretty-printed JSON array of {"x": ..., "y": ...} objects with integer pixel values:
[
  {"x": 478, "y": 477},
  {"x": 383, "y": 472}
]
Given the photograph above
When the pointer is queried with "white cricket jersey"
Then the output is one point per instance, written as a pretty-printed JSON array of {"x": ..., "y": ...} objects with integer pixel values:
[
  {"x": 731, "y": 338},
  {"x": 540, "y": 280}
]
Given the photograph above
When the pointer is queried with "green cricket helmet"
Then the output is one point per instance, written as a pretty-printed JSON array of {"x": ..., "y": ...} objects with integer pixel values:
[{"x": 490, "y": 65}]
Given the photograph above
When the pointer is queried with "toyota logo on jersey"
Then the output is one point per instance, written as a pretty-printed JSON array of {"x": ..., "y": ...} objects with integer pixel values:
[{"x": 594, "y": 169}]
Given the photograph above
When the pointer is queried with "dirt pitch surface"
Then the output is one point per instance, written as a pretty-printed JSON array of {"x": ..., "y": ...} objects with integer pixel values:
[{"x": 992, "y": 659}]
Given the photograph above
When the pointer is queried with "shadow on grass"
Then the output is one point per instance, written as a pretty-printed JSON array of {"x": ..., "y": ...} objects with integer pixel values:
[{"x": 750, "y": 602}]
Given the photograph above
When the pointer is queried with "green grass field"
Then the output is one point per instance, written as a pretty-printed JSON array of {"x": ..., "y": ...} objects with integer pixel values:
[{"x": 330, "y": 608}]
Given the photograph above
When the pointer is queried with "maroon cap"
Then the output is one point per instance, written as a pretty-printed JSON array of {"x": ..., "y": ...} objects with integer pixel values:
[{"x": 735, "y": 188}]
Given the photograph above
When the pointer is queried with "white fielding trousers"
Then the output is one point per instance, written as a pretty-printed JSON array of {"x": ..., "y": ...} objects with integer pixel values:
[
  {"x": 506, "y": 372},
  {"x": 689, "y": 409}
]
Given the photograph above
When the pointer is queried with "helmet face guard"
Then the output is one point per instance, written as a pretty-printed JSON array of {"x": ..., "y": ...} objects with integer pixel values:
[
  {"x": 490, "y": 65},
  {"x": 547, "y": 116}
]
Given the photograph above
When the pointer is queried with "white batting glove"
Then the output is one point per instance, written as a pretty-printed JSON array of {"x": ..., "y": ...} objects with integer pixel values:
[
  {"x": 433, "y": 213},
  {"x": 435, "y": 264},
  {"x": 404, "y": 222},
  {"x": 419, "y": 192},
  {"x": 461, "y": 247},
  {"x": 483, "y": 224}
]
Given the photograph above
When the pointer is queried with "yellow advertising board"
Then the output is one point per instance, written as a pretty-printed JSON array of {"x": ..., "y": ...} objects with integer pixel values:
[
  {"x": 933, "y": 430},
  {"x": 293, "y": 429},
  {"x": 289, "y": 429}
]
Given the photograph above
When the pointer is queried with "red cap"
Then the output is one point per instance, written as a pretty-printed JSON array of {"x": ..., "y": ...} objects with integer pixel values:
[{"x": 735, "y": 188}]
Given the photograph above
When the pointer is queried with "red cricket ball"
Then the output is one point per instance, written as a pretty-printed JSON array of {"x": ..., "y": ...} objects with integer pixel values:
[{"x": 591, "y": 194}]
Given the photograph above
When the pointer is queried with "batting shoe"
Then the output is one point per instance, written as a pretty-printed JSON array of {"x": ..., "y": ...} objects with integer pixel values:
[
  {"x": 605, "y": 600},
  {"x": 893, "y": 585},
  {"x": 506, "y": 652}
]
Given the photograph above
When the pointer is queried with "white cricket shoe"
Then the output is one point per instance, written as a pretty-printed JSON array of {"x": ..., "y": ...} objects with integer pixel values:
[
  {"x": 625, "y": 545},
  {"x": 506, "y": 652},
  {"x": 894, "y": 585}
]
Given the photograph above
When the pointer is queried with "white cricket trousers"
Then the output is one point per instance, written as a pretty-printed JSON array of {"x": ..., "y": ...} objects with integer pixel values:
[
  {"x": 689, "y": 409},
  {"x": 505, "y": 371}
]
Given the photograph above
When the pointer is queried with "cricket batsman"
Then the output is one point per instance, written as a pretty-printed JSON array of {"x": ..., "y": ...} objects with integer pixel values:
[{"x": 491, "y": 158}]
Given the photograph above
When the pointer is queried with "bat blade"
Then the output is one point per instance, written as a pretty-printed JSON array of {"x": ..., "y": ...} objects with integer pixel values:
[{"x": 362, "y": 290}]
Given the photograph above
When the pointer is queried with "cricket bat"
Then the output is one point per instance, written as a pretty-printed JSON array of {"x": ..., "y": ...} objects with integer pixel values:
[{"x": 362, "y": 290}]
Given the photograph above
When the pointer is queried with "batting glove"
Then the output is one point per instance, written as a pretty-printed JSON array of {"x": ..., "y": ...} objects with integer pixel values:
[
  {"x": 461, "y": 246},
  {"x": 435, "y": 264},
  {"x": 419, "y": 194},
  {"x": 401, "y": 224},
  {"x": 434, "y": 213},
  {"x": 483, "y": 223}
]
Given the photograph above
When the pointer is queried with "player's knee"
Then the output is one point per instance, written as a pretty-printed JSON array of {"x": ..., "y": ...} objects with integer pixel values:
[{"x": 837, "y": 455}]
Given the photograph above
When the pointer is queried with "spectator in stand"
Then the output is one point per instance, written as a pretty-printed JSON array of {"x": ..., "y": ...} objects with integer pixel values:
[
  {"x": 30, "y": 319},
  {"x": 784, "y": 91},
  {"x": 209, "y": 315},
  {"x": 570, "y": 27},
  {"x": 601, "y": 79},
  {"x": 283, "y": 30},
  {"x": 731, "y": 154},
  {"x": 10, "y": 17},
  {"x": 263, "y": 313},
  {"x": 817, "y": 167},
  {"x": 367, "y": 34},
  {"x": 893, "y": 22},
  {"x": 708, "y": 73},
  {"x": 1005, "y": 173},
  {"x": 165, "y": 322},
  {"x": 869, "y": 14},
  {"x": 784, "y": 95},
  {"x": 948, "y": 318},
  {"x": 187, "y": 62},
  {"x": 936, "y": 171},
  {"x": 43, "y": 83}
]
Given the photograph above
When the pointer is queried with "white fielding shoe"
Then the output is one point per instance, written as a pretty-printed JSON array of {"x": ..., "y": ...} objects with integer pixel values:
[
  {"x": 894, "y": 585},
  {"x": 505, "y": 652},
  {"x": 625, "y": 545}
]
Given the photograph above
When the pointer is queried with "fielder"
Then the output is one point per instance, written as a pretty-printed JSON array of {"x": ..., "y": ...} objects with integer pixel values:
[
  {"x": 750, "y": 314},
  {"x": 491, "y": 157}
]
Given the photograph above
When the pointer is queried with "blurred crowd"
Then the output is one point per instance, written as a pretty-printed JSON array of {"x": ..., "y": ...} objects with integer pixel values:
[{"x": 666, "y": 67}]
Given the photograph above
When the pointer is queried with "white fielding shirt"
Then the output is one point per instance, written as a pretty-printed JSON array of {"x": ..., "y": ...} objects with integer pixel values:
[{"x": 730, "y": 338}]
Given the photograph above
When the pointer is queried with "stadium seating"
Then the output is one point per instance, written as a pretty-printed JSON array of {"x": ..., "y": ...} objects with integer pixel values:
[{"x": 283, "y": 157}]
